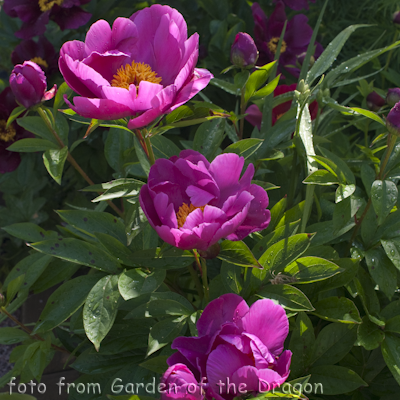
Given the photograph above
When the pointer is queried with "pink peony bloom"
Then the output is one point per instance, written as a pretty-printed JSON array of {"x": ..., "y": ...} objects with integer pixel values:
[
  {"x": 254, "y": 115},
  {"x": 9, "y": 160},
  {"x": 179, "y": 382},
  {"x": 192, "y": 204},
  {"x": 296, "y": 39},
  {"x": 142, "y": 67},
  {"x": 35, "y": 14},
  {"x": 238, "y": 346},
  {"x": 28, "y": 83}
]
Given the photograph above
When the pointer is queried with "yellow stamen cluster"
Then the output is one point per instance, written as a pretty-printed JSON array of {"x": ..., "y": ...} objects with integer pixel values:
[
  {"x": 46, "y": 5},
  {"x": 273, "y": 44},
  {"x": 40, "y": 61},
  {"x": 6, "y": 134},
  {"x": 184, "y": 211},
  {"x": 134, "y": 74}
]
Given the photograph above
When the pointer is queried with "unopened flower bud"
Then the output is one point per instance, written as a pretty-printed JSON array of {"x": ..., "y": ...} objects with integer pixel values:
[
  {"x": 393, "y": 120},
  {"x": 244, "y": 53},
  {"x": 28, "y": 83},
  {"x": 375, "y": 102},
  {"x": 393, "y": 96},
  {"x": 396, "y": 18}
]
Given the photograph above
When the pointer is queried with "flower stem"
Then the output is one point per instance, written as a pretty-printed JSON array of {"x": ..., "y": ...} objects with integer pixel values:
[
  {"x": 242, "y": 111},
  {"x": 149, "y": 150},
  {"x": 27, "y": 330},
  {"x": 205, "y": 281},
  {"x": 391, "y": 142},
  {"x": 72, "y": 160}
]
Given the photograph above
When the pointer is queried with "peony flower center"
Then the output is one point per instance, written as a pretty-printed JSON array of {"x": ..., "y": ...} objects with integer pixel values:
[
  {"x": 273, "y": 44},
  {"x": 134, "y": 74},
  {"x": 184, "y": 211},
  {"x": 46, "y": 5},
  {"x": 6, "y": 134},
  {"x": 40, "y": 61}
]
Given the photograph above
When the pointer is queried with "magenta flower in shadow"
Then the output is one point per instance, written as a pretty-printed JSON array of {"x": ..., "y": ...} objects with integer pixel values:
[
  {"x": 267, "y": 32},
  {"x": 143, "y": 67},
  {"x": 393, "y": 120},
  {"x": 192, "y": 203},
  {"x": 28, "y": 83},
  {"x": 392, "y": 96},
  {"x": 244, "y": 52},
  {"x": 9, "y": 160},
  {"x": 238, "y": 346},
  {"x": 41, "y": 52},
  {"x": 374, "y": 101},
  {"x": 296, "y": 4},
  {"x": 178, "y": 382},
  {"x": 35, "y": 14}
]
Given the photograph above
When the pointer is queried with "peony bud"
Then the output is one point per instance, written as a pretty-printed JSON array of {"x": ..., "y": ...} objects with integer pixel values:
[
  {"x": 28, "y": 83},
  {"x": 393, "y": 96},
  {"x": 393, "y": 120},
  {"x": 375, "y": 101},
  {"x": 244, "y": 53},
  {"x": 396, "y": 18}
]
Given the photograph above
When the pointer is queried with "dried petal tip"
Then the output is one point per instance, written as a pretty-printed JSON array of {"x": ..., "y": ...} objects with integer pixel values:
[
  {"x": 375, "y": 102},
  {"x": 396, "y": 18},
  {"x": 393, "y": 120},
  {"x": 393, "y": 96},
  {"x": 244, "y": 53}
]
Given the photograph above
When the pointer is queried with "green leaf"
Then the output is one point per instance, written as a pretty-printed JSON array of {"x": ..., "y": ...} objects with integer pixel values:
[
  {"x": 277, "y": 212},
  {"x": 368, "y": 114},
  {"x": 156, "y": 308},
  {"x": 54, "y": 161},
  {"x": 244, "y": 148},
  {"x": 231, "y": 276},
  {"x": 369, "y": 335},
  {"x": 15, "y": 114},
  {"x": 257, "y": 79},
  {"x": 390, "y": 350},
  {"x": 156, "y": 364},
  {"x": 169, "y": 259},
  {"x": 79, "y": 252},
  {"x": 164, "y": 332},
  {"x": 301, "y": 343},
  {"x": 228, "y": 87},
  {"x": 12, "y": 335},
  {"x": 37, "y": 126},
  {"x": 135, "y": 282},
  {"x": 16, "y": 396},
  {"x": 287, "y": 296},
  {"x": 328, "y": 57},
  {"x": 208, "y": 137},
  {"x": 311, "y": 269},
  {"x": 62, "y": 90},
  {"x": 65, "y": 301},
  {"x": 392, "y": 249},
  {"x": 338, "y": 309},
  {"x": 100, "y": 309},
  {"x": 13, "y": 287},
  {"x": 382, "y": 270},
  {"x": 393, "y": 324},
  {"x": 116, "y": 249},
  {"x": 266, "y": 90},
  {"x": 384, "y": 197},
  {"x": 367, "y": 177},
  {"x": 91, "y": 222},
  {"x": 32, "y": 145},
  {"x": 116, "y": 148},
  {"x": 29, "y": 232},
  {"x": 237, "y": 253},
  {"x": 163, "y": 147},
  {"x": 321, "y": 177}
]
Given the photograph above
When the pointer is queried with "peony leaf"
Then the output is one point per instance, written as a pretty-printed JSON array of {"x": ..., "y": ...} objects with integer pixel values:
[
  {"x": 54, "y": 161},
  {"x": 237, "y": 253},
  {"x": 338, "y": 309}
]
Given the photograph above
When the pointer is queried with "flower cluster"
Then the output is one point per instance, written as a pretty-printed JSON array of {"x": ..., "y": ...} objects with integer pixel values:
[
  {"x": 143, "y": 67},
  {"x": 192, "y": 203},
  {"x": 35, "y": 14},
  {"x": 296, "y": 39},
  {"x": 239, "y": 351}
]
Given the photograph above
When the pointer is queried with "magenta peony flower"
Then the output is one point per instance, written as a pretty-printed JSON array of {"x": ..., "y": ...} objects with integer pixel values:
[
  {"x": 35, "y": 14},
  {"x": 192, "y": 204},
  {"x": 142, "y": 67},
  {"x": 296, "y": 4},
  {"x": 239, "y": 349},
  {"x": 179, "y": 382},
  {"x": 396, "y": 18},
  {"x": 295, "y": 41},
  {"x": 393, "y": 96},
  {"x": 374, "y": 101},
  {"x": 41, "y": 52},
  {"x": 393, "y": 120},
  {"x": 244, "y": 52},
  {"x": 9, "y": 160},
  {"x": 28, "y": 83}
]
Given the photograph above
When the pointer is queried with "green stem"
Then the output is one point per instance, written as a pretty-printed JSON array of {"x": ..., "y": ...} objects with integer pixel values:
[
  {"x": 72, "y": 160},
  {"x": 366, "y": 138},
  {"x": 307, "y": 207},
  {"x": 205, "y": 281},
  {"x": 391, "y": 142},
  {"x": 149, "y": 150},
  {"x": 27, "y": 330},
  {"x": 242, "y": 111}
]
